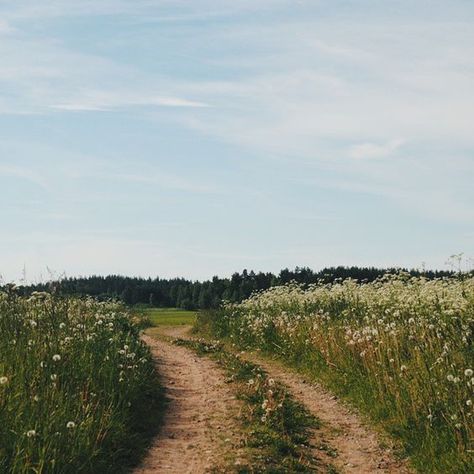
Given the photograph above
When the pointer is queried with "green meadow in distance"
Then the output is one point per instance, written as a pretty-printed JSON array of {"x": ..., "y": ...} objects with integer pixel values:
[{"x": 169, "y": 316}]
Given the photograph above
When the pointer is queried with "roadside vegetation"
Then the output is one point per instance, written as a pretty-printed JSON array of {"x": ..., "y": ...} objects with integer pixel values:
[
  {"x": 275, "y": 427},
  {"x": 399, "y": 348},
  {"x": 78, "y": 390}
]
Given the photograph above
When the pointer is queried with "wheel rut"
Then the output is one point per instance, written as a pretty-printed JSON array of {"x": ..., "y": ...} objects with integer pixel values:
[
  {"x": 199, "y": 423},
  {"x": 355, "y": 447}
]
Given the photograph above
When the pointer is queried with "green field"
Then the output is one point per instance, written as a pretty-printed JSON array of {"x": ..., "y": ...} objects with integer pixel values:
[{"x": 169, "y": 316}]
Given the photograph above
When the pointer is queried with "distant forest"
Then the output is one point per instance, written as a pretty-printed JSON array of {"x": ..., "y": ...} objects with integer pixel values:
[{"x": 186, "y": 294}]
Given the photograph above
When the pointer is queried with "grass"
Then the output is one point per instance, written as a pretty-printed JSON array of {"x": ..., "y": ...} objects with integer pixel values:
[
  {"x": 168, "y": 316},
  {"x": 275, "y": 426},
  {"x": 78, "y": 389},
  {"x": 401, "y": 349}
]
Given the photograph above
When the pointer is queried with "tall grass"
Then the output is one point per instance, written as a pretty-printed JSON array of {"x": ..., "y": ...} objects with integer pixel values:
[
  {"x": 73, "y": 376},
  {"x": 400, "y": 348}
]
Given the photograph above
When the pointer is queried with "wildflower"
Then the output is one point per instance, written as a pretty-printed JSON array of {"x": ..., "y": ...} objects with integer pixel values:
[
  {"x": 70, "y": 425},
  {"x": 54, "y": 377},
  {"x": 3, "y": 380},
  {"x": 56, "y": 357},
  {"x": 469, "y": 403},
  {"x": 251, "y": 382},
  {"x": 450, "y": 378},
  {"x": 403, "y": 368},
  {"x": 62, "y": 325},
  {"x": 31, "y": 433},
  {"x": 468, "y": 372}
]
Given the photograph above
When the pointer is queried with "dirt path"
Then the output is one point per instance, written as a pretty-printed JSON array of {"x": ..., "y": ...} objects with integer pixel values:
[
  {"x": 198, "y": 426},
  {"x": 359, "y": 448}
]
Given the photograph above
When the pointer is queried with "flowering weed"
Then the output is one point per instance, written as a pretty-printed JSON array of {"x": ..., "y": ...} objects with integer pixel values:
[
  {"x": 400, "y": 348},
  {"x": 71, "y": 374}
]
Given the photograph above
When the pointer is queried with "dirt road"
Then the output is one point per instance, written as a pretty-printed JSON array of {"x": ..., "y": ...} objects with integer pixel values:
[{"x": 200, "y": 431}]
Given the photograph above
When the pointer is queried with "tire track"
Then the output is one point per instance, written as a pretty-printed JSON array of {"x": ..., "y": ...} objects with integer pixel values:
[{"x": 199, "y": 424}]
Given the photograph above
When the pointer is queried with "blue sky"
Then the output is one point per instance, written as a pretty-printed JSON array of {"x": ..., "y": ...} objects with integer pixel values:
[{"x": 193, "y": 138}]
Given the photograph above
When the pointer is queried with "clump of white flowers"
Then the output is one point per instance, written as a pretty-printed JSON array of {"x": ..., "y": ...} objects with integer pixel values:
[
  {"x": 409, "y": 336},
  {"x": 37, "y": 335}
]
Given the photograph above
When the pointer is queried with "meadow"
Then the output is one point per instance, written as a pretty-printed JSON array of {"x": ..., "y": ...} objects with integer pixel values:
[
  {"x": 400, "y": 349},
  {"x": 166, "y": 316},
  {"x": 77, "y": 385}
]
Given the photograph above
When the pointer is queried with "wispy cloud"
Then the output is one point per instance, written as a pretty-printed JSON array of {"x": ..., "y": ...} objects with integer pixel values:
[
  {"x": 154, "y": 9},
  {"x": 112, "y": 102},
  {"x": 5, "y": 27},
  {"x": 166, "y": 180},
  {"x": 261, "y": 117},
  {"x": 370, "y": 151},
  {"x": 23, "y": 173}
]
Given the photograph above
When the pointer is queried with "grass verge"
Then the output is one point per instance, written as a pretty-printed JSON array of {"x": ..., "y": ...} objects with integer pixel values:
[{"x": 78, "y": 389}]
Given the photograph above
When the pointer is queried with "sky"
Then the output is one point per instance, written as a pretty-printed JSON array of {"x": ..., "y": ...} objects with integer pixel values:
[{"x": 201, "y": 137}]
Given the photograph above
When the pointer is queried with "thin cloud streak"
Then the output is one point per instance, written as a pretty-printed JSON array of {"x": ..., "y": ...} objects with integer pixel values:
[
  {"x": 118, "y": 102},
  {"x": 24, "y": 174}
]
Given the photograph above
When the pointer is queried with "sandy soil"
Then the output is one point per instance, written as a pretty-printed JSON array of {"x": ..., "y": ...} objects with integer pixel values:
[
  {"x": 199, "y": 425},
  {"x": 359, "y": 448}
]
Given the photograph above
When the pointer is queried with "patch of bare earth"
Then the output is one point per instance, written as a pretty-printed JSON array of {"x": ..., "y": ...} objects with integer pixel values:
[
  {"x": 358, "y": 448},
  {"x": 199, "y": 424}
]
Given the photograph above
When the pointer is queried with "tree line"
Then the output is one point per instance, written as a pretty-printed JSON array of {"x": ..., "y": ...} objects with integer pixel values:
[{"x": 187, "y": 294}]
